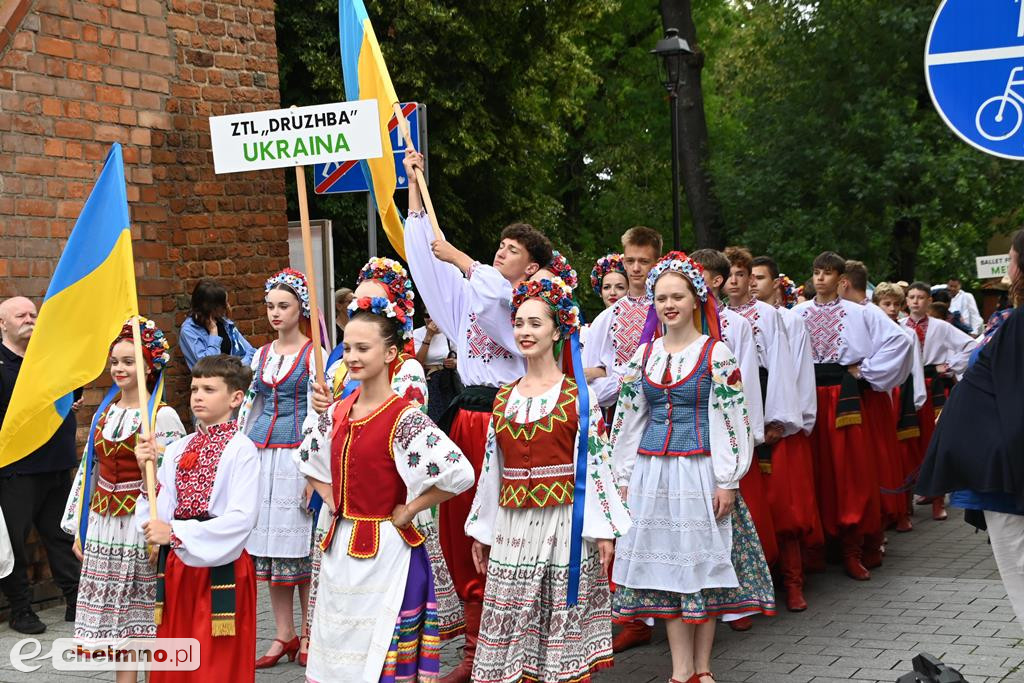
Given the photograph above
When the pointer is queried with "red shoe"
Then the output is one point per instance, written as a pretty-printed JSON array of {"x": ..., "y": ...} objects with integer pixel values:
[
  {"x": 791, "y": 568},
  {"x": 291, "y": 648},
  {"x": 463, "y": 673},
  {"x": 939, "y": 509},
  {"x": 904, "y": 524},
  {"x": 741, "y": 625},
  {"x": 633, "y": 634},
  {"x": 706, "y": 674},
  {"x": 855, "y": 570},
  {"x": 795, "y": 598},
  {"x": 304, "y": 656}
]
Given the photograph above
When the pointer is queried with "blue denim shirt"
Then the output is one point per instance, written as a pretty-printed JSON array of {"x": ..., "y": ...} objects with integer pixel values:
[{"x": 196, "y": 342}]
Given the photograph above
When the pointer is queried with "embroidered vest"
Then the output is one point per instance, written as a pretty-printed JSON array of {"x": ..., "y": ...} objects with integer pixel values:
[
  {"x": 284, "y": 403},
  {"x": 538, "y": 468},
  {"x": 679, "y": 412},
  {"x": 363, "y": 462},
  {"x": 119, "y": 480}
]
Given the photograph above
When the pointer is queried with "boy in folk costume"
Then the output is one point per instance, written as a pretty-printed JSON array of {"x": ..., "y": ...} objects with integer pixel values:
[
  {"x": 846, "y": 347},
  {"x": 785, "y": 461},
  {"x": 525, "y": 511},
  {"x": 681, "y": 443},
  {"x": 907, "y": 400},
  {"x": 469, "y": 302},
  {"x": 612, "y": 339},
  {"x": 945, "y": 350},
  {"x": 738, "y": 335},
  {"x": 377, "y": 461},
  {"x": 877, "y": 410},
  {"x": 208, "y": 494},
  {"x": 118, "y": 585}
]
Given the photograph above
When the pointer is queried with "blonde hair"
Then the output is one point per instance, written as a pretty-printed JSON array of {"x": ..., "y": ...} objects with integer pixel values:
[{"x": 888, "y": 290}]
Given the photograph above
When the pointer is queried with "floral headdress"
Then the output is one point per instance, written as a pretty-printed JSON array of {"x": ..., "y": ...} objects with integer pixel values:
[
  {"x": 381, "y": 306},
  {"x": 789, "y": 290},
  {"x": 392, "y": 275},
  {"x": 295, "y": 281},
  {"x": 679, "y": 262},
  {"x": 156, "y": 350},
  {"x": 555, "y": 293},
  {"x": 561, "y": 269},
  {"x": 612, "y": 263}
]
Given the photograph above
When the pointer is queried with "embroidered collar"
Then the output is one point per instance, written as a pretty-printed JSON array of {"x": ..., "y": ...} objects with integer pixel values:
[
  {"x": 743, "y": 309},
  {"x": 828, "y": 304},
  {"x": 219, "y": 432}
]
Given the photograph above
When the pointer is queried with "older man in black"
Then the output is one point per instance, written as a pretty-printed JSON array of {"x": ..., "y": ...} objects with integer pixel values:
[{"x": 34, "y": 490}]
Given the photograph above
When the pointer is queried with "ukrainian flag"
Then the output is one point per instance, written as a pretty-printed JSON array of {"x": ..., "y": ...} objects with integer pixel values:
[
  {"x": 366, "y": 78},
  {"x": 90, "y": 296}
]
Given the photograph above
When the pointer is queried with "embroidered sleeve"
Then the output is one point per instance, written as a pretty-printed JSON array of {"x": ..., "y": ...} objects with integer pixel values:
[
  {"x": 631, "y": 417},
  {"x": 249, "y": 402},
  {"x": 313, "y": 457},
  {"x": 729, "y": 423},
  {"x": 410, "y": 383},
  {"x": 605, "y": 514},
  {"x": 425, "y": 457},
  {"x": 168, "y": 426},
  {"x": 484, "y": 511},
  {"x": 69, "y": 522},
  {"x": 175, "y": 541}
]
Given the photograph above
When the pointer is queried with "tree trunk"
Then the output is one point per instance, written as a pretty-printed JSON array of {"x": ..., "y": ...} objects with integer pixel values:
[
  {"x": 694, "y": 153},
  {"x": 906, "y": 239}
]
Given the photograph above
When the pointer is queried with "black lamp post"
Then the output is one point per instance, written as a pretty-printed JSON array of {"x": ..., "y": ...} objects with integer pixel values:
[{"x": 671, "y": 51}]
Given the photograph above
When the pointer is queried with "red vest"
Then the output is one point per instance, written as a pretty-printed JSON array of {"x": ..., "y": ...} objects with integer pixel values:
[
  {"x": 120, "y": 480},
  {"x": 538, "y": 456},
  {"x": 364, "y": 480}
]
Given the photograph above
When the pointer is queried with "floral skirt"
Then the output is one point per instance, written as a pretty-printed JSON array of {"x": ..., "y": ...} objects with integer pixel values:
[
  {"x": 283, "y": 571},
  {"x": 117, "y": 589},
  {"x": 753, "y": 595},
  {"x": 527, "y": 631}
]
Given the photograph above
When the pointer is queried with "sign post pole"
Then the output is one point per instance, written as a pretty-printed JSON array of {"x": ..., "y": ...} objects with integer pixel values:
[
  {"x": 403, "y": 126},
  {"x": 371, "y": 226},
  {"x": 307, "y": 255}
]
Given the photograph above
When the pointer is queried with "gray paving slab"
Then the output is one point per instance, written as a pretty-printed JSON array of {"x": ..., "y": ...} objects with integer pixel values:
[{"x": 938, "y": 592}]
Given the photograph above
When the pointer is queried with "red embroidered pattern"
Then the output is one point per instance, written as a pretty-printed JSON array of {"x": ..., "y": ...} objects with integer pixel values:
[
  {"x": 825, "y": 326},
  {"x": 749, "y": 311},
  {"x": 197, "y": 470},
  {"x": 628, "y": 324},
  {"x": 481, "y": 346},
  {"x": 920, "y": 328}
]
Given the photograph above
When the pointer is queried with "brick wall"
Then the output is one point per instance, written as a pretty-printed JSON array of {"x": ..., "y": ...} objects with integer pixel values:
[{"x": 77, "y": 75}]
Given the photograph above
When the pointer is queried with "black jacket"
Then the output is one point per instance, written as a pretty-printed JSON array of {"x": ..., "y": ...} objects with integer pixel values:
[{"x": 57, "y": 454}]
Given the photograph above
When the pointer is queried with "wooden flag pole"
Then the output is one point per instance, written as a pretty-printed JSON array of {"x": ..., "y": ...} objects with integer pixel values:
[
  {"x": 403, "y": 126},
  {"x": 307, "y": 254},
  {"x": 144, "y": 427}
]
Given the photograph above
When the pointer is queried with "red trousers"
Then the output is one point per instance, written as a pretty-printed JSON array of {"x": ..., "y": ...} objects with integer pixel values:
[
  {"x": 790, "y": 488},
  {"x": 752, "y": 488},
  {"x": 845, "y": 477},
  {"x": 880, "y": 413},
  {"x": 223, "y": 659},
  {"x": 469, "y": 432}
]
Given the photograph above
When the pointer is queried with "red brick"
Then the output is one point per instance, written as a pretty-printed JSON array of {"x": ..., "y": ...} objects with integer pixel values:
[
  {"x": 55, "y": 47},
  {"x": 33, "y": 83},
  {"x": 112, "y": 95},
  {"x": 34, "y": 166},
  {"x": 93, "y": 54},
  {"x": 72, "y": 129},
  {"x": 88, "y": 12},
  {"x": 127, "y": 22},
  {"x": 34, "y": 207}
]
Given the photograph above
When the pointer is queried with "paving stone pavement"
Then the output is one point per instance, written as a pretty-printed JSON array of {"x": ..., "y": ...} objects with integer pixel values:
[{"x": 939, "y": 592}]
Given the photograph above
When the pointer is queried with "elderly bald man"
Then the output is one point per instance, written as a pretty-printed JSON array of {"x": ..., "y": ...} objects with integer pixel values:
[{"x": 34, "y": 490}]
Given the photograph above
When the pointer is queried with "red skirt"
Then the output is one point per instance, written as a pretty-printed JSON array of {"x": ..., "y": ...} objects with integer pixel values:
[
  {"x": 881, "y": 421},
  {"x": 845, "y": 478},
  {"x": 469, "y": 432},
  {"x": 790, "y": 488},
  {"x": 926, "y": 420},
  {"x": 223, "y": 659},
  {"x": 753, "y": 490}
]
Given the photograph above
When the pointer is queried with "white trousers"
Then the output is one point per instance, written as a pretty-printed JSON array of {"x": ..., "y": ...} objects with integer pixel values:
[{"x": 1006, "y": 532}]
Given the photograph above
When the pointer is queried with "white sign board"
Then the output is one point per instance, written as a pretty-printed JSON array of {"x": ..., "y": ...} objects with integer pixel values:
[
  {"x": 301, "y": 136},
  {"x": 993, "y": 266}
]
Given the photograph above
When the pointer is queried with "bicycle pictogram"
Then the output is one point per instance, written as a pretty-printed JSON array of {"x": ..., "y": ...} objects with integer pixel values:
[{"x": 992, "y": 120}]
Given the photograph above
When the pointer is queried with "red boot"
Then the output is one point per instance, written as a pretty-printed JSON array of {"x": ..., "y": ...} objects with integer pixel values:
[
  {"x": 463, "y": 673},
  {"x": 873, "y": 550},
  {"x": 633, "y": 634},
  {"x": 792, "y": 570},
  {"x": 742, "y": 624},
  {"x": 939, "y": 509},
  {"x": 852, "y": 549}
]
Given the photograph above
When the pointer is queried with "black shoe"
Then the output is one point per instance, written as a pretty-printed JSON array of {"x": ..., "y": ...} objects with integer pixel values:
[
  {"x": 70, "y": 611},
  {"x": 26, "y": 621}
]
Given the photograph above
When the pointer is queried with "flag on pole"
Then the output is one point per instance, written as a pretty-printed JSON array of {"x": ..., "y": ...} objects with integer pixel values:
[
  {"x": 90, "y": 296},
  {"x": 366, "y": 78}
]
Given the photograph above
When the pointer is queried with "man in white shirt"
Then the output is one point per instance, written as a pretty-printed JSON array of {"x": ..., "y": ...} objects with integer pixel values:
[{"x": 963, "y": 302}]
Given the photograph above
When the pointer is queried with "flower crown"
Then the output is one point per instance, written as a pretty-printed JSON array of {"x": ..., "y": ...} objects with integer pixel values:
[
  {"x": 561, "y": 268},
  {"x": 392, "y": 275},
  {"x": 295, "y": 281},
  {"x": 555, "y": 293},
  {"x": 156, "y": 350},
  {"x": 789, "y": 291},
  {"x": 679, "y": 262},
  {"x": 386, "y": 308},
  {"x": 612, "y": 263}
]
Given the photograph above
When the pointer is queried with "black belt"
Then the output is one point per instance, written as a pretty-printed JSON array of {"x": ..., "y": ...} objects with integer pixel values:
[
  {"x": 940, "y": 383},
  {"x": 475, "y": 399},
  {"x": 834, "y": 374},
  {"x": 764, "y": 451}
]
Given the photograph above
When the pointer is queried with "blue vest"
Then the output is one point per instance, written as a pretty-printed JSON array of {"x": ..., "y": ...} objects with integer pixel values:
[
  {"x": 284, "y": 404},
  {"x": 679, "y": 412}
]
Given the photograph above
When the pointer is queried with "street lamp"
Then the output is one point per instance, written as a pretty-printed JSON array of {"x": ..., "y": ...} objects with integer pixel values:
[{"x": 671, "y": 52}]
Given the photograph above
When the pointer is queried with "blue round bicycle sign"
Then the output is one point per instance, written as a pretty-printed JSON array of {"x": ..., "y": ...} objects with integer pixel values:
[{"x": 974, "y": 65}]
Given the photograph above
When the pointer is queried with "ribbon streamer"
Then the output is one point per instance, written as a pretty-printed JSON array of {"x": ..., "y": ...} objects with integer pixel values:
[{"x": 580, "y": 491}]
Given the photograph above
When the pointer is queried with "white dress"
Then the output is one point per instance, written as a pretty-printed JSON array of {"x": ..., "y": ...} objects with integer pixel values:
[
  {"x": 528, "y": 570},
  {"x": 117, "y": 588},
  {"x": 359, "y": 600},
  {"x": 281, "y": 542}
]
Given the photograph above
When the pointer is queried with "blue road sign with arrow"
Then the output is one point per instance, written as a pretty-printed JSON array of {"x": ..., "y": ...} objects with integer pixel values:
[{"x": 974, "y": 65}]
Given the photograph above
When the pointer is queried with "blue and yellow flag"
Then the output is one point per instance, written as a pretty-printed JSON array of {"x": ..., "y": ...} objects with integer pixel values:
[
  {"x": 366, "y": 78},
  {"x": 90, "y": 296}
]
